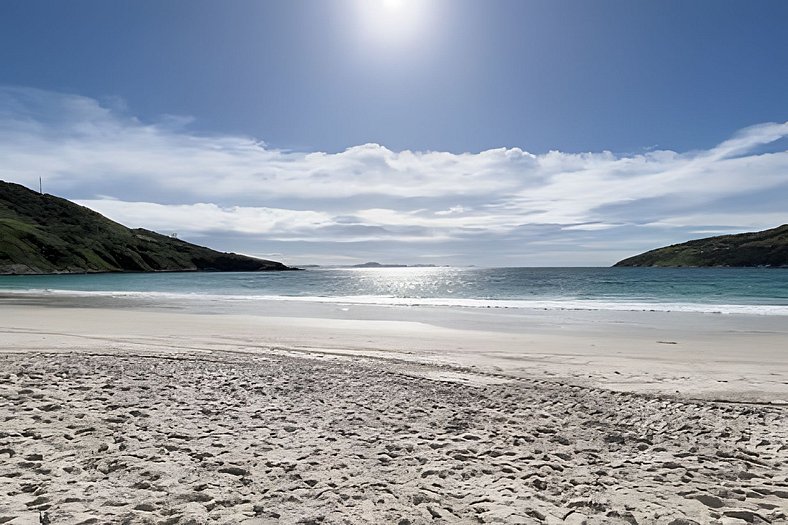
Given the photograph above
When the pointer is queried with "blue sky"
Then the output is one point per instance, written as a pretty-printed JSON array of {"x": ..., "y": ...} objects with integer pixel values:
[{"x": 446, "y": 131}]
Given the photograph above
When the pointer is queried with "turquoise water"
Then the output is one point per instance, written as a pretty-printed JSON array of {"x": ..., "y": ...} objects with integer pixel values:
[{"x": 726, "y": 290}]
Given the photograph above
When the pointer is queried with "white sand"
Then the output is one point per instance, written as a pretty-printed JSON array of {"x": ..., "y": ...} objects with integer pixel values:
[
  {"x": 331, "y": 414},
  {"x": 711, "y": 356}
]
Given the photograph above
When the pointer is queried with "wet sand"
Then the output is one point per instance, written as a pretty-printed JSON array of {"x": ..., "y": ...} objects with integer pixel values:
[{"x": 118, "y": 414}]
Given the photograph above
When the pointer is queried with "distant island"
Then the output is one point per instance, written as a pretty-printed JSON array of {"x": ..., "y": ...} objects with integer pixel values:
[
  {"x": 379, "y": 265},
  {"x": 44, "y": 234},
  {"x": 767, "y": 248}
]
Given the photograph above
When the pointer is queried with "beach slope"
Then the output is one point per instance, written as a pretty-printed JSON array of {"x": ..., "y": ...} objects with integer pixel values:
[{"x": 152, "y": 417}]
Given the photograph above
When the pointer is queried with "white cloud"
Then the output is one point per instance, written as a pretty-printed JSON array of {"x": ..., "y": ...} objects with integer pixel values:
[
  {"x": 454, "y": 210},
  {"x": 162, "y": 176},
  {"x": 207, "y": 217},
  {"x": 593, "y": 226},
  {"x": 744, "y": 221}
]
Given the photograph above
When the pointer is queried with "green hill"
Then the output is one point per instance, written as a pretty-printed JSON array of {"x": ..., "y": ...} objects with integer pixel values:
[
  {"x": 47, "y": 234},
  {"x": 766, "y": 248}
]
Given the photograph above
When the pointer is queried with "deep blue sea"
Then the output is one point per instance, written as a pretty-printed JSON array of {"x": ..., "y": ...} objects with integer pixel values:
[{"x": 722, "y": 290}]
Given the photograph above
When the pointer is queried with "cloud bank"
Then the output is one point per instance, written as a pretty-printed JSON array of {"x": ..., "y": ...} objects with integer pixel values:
[{"x": 502, "y": 206}]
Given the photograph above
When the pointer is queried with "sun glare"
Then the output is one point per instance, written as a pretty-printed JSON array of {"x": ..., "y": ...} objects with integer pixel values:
[{"x": 394, "y": 22}]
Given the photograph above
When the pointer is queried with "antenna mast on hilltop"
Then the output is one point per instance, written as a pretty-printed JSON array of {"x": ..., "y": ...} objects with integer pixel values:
[{"x": 40, "y": 187}]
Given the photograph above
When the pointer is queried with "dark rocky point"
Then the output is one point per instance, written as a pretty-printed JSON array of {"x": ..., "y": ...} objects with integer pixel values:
[
  {"x": 768, "y": 248},
  {"x": 42, "y": 234}
]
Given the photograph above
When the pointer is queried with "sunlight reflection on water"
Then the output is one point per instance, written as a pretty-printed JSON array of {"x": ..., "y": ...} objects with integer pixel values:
[{"x": 408, "y": 282}]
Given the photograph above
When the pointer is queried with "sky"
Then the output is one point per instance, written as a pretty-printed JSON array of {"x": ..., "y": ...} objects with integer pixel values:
[{"x": 495, "y": 132}]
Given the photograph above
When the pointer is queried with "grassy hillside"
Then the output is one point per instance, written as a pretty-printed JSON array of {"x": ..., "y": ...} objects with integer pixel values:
[
  {"x": 766, "y": 248},
  {"x": 47, "y": 234}
]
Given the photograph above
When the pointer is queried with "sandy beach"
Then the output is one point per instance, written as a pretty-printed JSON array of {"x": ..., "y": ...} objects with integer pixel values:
[{"x": 122, "y": 412}]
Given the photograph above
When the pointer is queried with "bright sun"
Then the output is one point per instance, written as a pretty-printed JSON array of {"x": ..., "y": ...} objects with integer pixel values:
[{"x": 393, "y": 22}]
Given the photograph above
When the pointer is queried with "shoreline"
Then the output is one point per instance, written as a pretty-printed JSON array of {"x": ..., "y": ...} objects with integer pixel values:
[
  {"x": 692, "y": 355},
  {"x": 189, "y": 300}
]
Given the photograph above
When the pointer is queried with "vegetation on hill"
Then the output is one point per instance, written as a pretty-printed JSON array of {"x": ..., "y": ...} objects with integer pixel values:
[
  {"x": 766, "y": 248},
  {"x": 47, "y": 234}
]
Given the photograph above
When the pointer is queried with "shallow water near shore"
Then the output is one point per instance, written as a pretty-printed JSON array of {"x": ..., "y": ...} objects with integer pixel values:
[{"x": 712, "y": 290}]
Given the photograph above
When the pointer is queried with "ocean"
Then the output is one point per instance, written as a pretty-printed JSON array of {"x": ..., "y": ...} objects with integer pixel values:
[{"x": 712, "y": 290}]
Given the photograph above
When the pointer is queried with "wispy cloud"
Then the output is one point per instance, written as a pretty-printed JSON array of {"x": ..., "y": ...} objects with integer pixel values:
[
  {"x": 162, "y": 176},
  {"x": 209, "y": 217}
]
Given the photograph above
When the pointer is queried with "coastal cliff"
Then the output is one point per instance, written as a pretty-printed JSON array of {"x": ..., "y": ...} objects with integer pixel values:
[
  {"x": 41, "y": 234},
  {"x": 767, "y": 248}
]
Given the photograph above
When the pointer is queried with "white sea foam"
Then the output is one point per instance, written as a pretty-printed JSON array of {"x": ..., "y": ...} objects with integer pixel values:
[{"x": 448, "y": 302}]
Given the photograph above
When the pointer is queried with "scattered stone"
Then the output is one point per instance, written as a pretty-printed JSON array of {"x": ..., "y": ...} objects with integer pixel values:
[
  {"x": 710, "y": 501},
  {"x": 575, "y": 518},
  {"x": 235, "y": 471},
  {"x": 193, "y": 514},
  {"x": 746, "y": 515}
]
